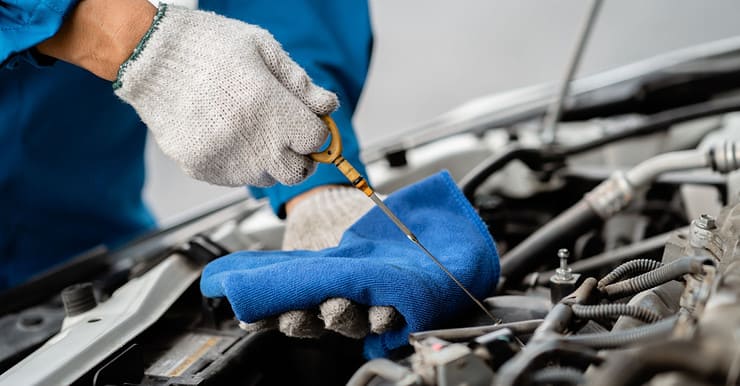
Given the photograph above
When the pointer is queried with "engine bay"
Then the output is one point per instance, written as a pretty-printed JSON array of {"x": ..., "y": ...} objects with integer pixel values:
[{"x": 619, "y": 258}]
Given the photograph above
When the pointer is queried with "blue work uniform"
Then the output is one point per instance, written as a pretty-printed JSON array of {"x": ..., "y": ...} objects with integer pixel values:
[{"x": 71, "y": 152}]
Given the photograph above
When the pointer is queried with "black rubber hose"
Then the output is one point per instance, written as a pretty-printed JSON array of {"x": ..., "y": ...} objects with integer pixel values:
[
  {"x": 630, "y": 268},
  {"x": 555, "y": 322},
  {"x": 603, "y": 311},
  {"x": 636, "y": 367},
  {"x": 643, "y": 334},
  {"x": 531, "y": 157},
  {"x": 558, "y": 376},
  {"x": 525, "y": 256},
  {"x": 664, "y": 274},
  {"x": 582, "y": 294}
]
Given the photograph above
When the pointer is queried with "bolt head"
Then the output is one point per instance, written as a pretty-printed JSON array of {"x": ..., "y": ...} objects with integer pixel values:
[
  {"x": 706, "y": 221},
  {"x": 563, "y": 253}
]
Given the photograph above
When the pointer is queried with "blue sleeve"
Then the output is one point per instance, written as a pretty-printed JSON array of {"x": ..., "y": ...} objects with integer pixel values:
[
  {"x": 332, "y": 40},
  {"x": 25, "y": 23}
]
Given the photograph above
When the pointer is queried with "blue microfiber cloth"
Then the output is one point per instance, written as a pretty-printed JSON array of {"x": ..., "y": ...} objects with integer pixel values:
[{"x": 374, "y": 264}]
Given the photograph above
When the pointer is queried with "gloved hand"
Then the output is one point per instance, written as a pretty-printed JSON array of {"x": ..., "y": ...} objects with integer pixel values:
[
  {"x": 316, "y": 223},
  {"x": 374, "y": 265},
  {"x": 224, "y": 100}
]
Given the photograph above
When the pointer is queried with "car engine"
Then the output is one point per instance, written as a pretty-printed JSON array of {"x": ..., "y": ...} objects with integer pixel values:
[{"x": 619, "y": 245}]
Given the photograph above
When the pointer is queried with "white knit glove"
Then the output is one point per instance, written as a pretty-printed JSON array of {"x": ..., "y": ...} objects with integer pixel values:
[
  {"x": 315, "y": 223},
  {"x": 224, "y": 100}
]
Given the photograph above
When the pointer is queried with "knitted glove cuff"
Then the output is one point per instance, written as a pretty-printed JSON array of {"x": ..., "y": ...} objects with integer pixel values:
[
  {"x": 173, "y": 44},
  {"x": 161, "y": 10}
]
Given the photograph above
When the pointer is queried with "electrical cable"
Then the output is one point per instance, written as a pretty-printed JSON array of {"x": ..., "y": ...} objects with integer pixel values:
[
  {"x": 644, "y": 334},
  {"x": 604, "y": 311},
  {"x": 654, "y": 278},
  {"x": 629, "y": 268}
]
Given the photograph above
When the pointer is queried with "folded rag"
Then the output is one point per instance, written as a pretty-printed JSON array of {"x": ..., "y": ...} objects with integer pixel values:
[{"x": 374, "y": 264}]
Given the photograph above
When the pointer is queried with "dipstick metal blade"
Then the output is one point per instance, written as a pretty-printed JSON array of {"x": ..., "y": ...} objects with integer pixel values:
[{"x": 410, "y": 235}]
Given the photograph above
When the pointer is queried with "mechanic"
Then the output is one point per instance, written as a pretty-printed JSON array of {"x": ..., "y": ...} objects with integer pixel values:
[
  {"x": 226, "y": 102},
  {"x": 219, "y": 95}
]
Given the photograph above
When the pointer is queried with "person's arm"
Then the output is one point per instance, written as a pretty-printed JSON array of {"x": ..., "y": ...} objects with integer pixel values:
[
  {"x": 99, "y": 35},
  {"x": 220, "y": 96}
]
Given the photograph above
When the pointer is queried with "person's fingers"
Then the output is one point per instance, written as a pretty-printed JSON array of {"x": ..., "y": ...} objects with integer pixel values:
[
  {"x": 294, "y": 78},
  {"x": 302, "y": 132},
  {"x": 307, "y": 132},
  {"x": 384, "y": 318},
  {"x": 260, "y": 325},
  {"x": 344, "y": 317},
  {"x": 232, "y": 179},
  {"x": 300, "y": 324},
  {"x": 291, "y": 168},
  {"x": 338, "y": 314}
]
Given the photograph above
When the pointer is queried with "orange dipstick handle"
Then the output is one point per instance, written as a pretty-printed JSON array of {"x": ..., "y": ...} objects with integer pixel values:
[{"x": 333, "y": 155}]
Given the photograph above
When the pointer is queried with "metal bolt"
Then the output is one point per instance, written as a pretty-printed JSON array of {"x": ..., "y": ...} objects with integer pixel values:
[
  {"x": 563, "y": 255},
  {"x": 706, "y": 222},
  {"x": 564, "y": 272}
]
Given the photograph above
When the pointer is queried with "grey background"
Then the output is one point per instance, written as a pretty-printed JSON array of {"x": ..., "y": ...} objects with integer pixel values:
[{"x": 432, "y": 55}]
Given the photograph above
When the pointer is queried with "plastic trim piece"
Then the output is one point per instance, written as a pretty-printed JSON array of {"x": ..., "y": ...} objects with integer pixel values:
[{"x": 87, "y": 339}]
